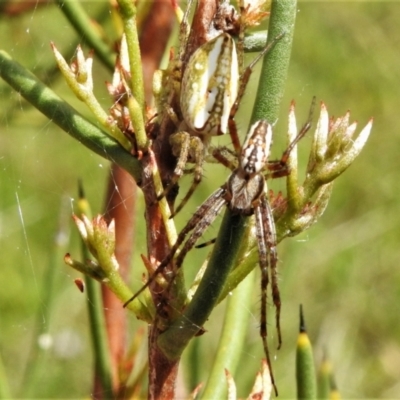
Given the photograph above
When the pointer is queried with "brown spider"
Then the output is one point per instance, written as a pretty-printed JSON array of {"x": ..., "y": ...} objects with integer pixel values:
[{"x": 245, "y": 194}]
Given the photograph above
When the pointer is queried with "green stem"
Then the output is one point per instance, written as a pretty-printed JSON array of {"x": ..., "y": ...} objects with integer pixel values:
[
  {"x": 128, "y": 14},
  {"x": 232, "y": 340},
  {"x": 98, "y": 332},
  {"x": 276, "y": 63},
  {"x": 324, "y": 377},
  {"x": 136, "y": 114},
  {"x": 83, "y": 24},
  {"x": 38, "y": 357},
  {"x": 65, "y": 116},
  {"x": 174, "y": 340},
  {"x": 96, "y": 315}
]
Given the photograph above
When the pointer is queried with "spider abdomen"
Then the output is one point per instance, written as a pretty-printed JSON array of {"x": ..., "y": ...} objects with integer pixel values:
[{"x": 210, "y": 86}]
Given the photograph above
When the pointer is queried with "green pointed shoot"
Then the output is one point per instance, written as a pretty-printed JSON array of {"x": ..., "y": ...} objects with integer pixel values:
[
  {"x": 324, "y": 379},
  {"x": 79, "y": 78},
  {"x": 305, "y": 371},
  {"x": 334, "y": 392},
  {"x": 99, "y": 238}
]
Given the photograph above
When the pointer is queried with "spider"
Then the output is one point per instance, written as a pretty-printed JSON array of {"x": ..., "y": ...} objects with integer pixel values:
[
  {"x": 244, "y": 193},
  {"x": 209, "y": 94}
]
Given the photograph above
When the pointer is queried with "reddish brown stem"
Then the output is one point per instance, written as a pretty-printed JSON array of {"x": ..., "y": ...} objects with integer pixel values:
[
  {"x": 153, "y": 40},
  {"x": 120, "y": 204}
]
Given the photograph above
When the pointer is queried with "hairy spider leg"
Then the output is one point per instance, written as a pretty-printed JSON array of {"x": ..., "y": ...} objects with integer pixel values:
[
  {"x": 244, "y": 78},
  {"x": 196, "y": 146},
  {"x": 217, "y": 201},
  {"x": 279, "y": 168},
  {"x": 184, "y": 31},
  {"x": 267, "y": 254}
]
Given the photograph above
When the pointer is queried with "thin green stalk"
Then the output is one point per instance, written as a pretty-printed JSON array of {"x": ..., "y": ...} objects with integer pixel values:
[
  {"x": 276, "y": 63},
  {"x": 96, "y": 316},
  {"x": 39, "y": 353},
  {"x": 128, "y": 14},
  {"x": 98, "y": 332},
  {"x": 136, "y": 114},
  {"x": 324, "y": 377},
  {"x": 232, "y": 340},
  {"x": 65, "y": 116},
  {"x": 245, "y": 264},
  {"x": 82, "y": 23},
  {"x": 175, "y": 339}
]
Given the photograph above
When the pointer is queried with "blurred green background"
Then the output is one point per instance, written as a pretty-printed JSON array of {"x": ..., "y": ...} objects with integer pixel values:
[{"x": 344, "y": 270}]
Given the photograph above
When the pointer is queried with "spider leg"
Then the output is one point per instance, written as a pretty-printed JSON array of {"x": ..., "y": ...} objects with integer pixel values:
[
  {"x": 180, "y": 143},
  {"x": 266, "y": 240},
  {"x": 242, "y": 28},
  {"x": 305, "y": 128},
  {"x": 244, "y": 80},
  {"x": 226, "y": 157},
  {"x": 216, "y": 202},
  {"x": 279, "y": 168},
  {"x": 185, "y": 146},
  {"x": 196, "y": 219},
  {"x": 270, "y": 239},
  {"x": 184, "y": 31},
  {"x": 205, "y": 244},
  {"x": 196, "y": 153}
]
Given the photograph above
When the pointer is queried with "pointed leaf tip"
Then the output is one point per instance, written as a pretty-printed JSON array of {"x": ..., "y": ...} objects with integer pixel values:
[{"x": 302, "y": 327}]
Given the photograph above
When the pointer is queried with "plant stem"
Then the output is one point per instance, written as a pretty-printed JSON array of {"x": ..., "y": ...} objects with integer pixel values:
[
  {"x": 276, "y": 63},
  {"x": 39, "y": 354},
  {"x": 128, "y": 14},
  {"x": 176, "y": 338},
  {"x": 120, "y": 205},
  {"x": 80, "y": 20},
  {"x": 232, "y": 337}
]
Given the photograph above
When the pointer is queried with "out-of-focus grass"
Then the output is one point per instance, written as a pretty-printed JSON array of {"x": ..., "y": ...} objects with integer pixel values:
[{"x": 344, "y": 270}]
